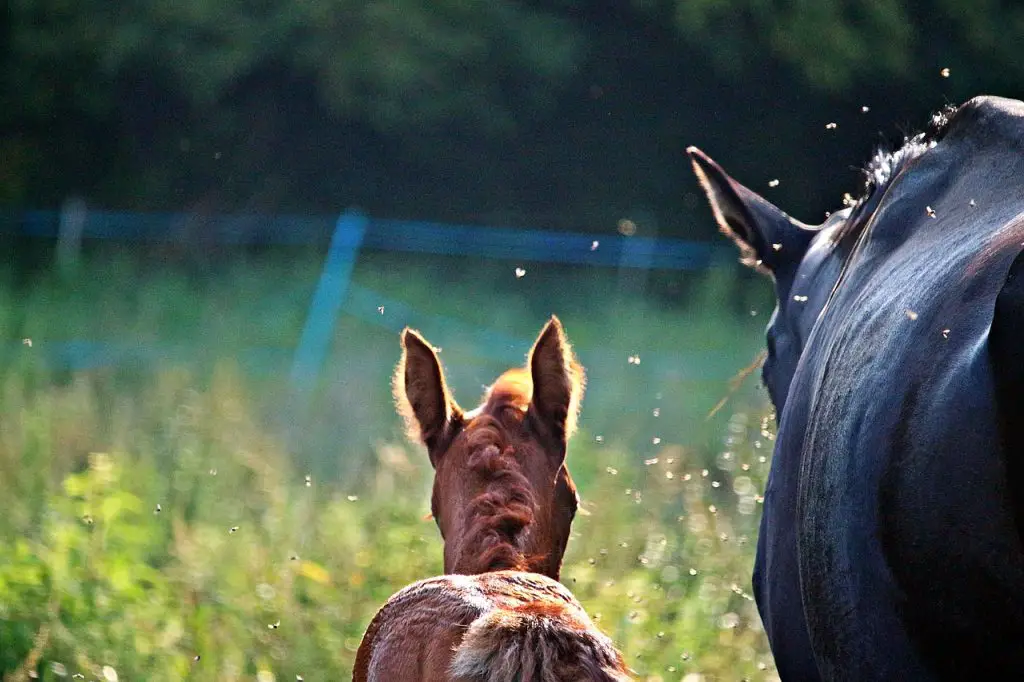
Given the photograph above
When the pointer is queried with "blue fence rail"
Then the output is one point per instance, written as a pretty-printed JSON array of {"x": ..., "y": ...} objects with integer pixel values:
[
  {"x": 346, "y": 236},
  {"x": 659, "y": 253}
]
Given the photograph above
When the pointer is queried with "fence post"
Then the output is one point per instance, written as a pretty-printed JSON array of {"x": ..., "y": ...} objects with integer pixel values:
[
  {"x": 73, "y": 215},
  {"x": 327, "y": 300}
]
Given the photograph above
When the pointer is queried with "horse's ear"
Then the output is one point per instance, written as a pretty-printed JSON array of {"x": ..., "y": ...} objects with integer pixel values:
[
  {"x": 558, "y": 381},
  {"x": 421, "y": 394},
  {"x": 769, "y": 240}
]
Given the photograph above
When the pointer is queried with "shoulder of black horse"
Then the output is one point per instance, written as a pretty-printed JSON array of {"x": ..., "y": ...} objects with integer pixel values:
[
  {"x": 989, "y": 132},
  {"x": 998, "y": 124},
  {"x": 1006, "y": 349}
]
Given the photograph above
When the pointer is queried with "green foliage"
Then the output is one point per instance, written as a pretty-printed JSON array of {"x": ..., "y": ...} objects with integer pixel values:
[
  {"x": 838, "y": 44},
  {"x": 832, "y": 43},
  {"x": 143, "y": 565},
  {"x": 569, "y": 115},
  {"x": 139, "y": 99},
  {"x": 395, "y": 64},
  {"x": 152, "y": 514}
]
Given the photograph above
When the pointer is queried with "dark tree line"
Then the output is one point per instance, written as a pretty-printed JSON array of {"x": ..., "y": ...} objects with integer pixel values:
[{"x": 561, "y": 114}]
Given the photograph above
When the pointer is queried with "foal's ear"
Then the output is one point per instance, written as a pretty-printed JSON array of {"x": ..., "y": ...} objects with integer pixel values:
[
  {"x": 558, "y": 381},
  {"x": 421, "y": 394},
  {"x": 769, "y": 240}
]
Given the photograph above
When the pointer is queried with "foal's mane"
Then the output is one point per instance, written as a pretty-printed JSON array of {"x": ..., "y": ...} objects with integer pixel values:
[
  {"x": 886, "y": 164},
  {"x": 502, "y": 512}
]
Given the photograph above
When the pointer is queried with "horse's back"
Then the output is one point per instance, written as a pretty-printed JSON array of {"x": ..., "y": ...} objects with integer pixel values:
[
  {"x": 504, "y": 626},
  {"x": 413, "y": 635},
  {"x": 907, "y": 520},
  {"x": 537, "y": 632}
]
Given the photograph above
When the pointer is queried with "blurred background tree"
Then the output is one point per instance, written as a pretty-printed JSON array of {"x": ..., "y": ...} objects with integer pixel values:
[
  {"x": 552, "y": 114},
  {"x": 252, "y": 101}
]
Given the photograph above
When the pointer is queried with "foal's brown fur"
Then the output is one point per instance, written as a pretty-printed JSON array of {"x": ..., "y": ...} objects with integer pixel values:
[{"x": 504, "y": 503}]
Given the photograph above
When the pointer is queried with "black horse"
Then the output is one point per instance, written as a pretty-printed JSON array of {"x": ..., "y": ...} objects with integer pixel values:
[{"x": 891, "y": 541}]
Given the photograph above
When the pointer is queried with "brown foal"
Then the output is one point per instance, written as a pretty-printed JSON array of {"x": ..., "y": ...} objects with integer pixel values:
[{"x": 504, "y": 503}]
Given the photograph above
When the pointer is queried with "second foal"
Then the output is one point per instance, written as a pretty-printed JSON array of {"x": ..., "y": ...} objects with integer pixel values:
[{"x": 504, "y": 503}]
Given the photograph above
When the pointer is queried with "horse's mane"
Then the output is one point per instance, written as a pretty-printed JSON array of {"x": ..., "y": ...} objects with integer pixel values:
[
  {"x": 506, "y": 507},
  {"x": 886, "y": 164}
]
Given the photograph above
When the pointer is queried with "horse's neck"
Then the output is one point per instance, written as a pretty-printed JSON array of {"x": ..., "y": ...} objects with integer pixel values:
[{"x": 498, "y": 521}]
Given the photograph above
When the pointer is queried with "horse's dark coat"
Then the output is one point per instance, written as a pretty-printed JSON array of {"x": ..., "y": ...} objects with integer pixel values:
[{"x": 890, "y": 545}]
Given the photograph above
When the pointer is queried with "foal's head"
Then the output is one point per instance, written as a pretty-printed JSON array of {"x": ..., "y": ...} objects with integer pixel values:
[{"x": 502, "y": 498}]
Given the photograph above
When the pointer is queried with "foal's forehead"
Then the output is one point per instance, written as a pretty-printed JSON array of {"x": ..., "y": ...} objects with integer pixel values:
[{"x": 514, "y": 389}]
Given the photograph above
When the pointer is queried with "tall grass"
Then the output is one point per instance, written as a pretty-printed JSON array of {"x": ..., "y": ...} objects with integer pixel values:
[{"x": 189, "y": 518}]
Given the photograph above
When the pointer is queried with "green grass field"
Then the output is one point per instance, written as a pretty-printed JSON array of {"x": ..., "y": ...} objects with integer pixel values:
[{"x": 186, "y": 515}]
